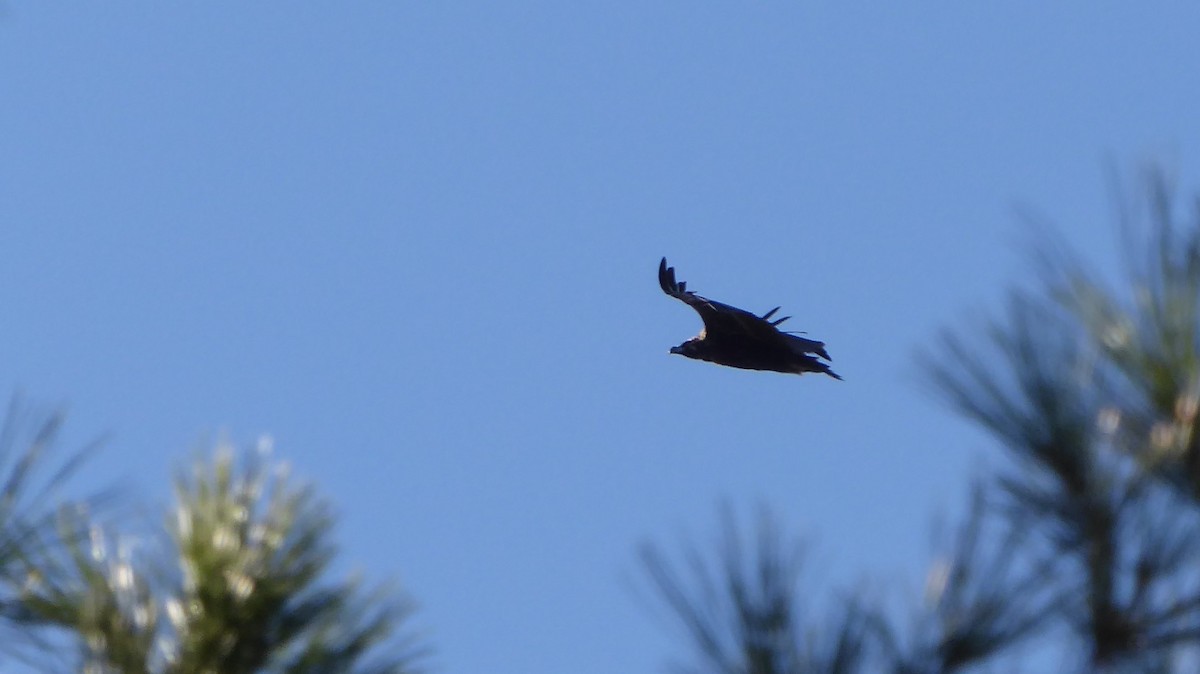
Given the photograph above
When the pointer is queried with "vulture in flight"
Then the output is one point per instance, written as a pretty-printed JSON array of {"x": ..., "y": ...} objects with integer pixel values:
[{"x": 738, "y": 338}]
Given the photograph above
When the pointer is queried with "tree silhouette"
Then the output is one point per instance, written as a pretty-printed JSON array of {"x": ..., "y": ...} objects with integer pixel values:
[
  {"x": 31, "y": 481},
  {"x": 1083, "y": 549},
  {"x": 236, "y": 586},
  {"x": 744, "y": 615}
]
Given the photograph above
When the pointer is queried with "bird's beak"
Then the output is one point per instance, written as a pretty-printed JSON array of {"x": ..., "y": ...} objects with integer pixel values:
[{"x": 676, "y": 349}]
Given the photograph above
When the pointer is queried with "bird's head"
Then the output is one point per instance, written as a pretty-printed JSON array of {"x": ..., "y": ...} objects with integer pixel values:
[{"x": 688, "y": 348}]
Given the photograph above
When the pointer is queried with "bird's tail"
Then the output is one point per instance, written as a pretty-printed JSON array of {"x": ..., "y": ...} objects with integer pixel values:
[
  {"x": 803, "y": 346},
  {"x": 810, "y": 364}
]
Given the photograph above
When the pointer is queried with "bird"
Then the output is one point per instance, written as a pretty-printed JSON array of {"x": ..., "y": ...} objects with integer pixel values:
[{"x": 737, "y": 338}]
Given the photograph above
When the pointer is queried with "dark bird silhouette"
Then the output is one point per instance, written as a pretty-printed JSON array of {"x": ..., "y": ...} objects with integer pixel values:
[{"x": 738, "y": 338}]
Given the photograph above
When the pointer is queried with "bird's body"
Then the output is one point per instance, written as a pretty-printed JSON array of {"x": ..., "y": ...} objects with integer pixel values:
[{"x": 738, "y": 338}]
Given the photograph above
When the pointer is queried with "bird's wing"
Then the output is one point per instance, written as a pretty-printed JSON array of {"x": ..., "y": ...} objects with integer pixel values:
[{"x": 718, "y": 317}]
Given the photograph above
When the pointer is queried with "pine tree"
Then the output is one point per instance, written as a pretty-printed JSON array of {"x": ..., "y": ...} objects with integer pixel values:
[
  {"x": 237, "y": 586},
  {"x": 1083, "y": 548}
]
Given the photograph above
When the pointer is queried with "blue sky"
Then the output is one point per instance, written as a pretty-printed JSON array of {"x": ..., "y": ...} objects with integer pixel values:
[{"x": 416, "y": 243}]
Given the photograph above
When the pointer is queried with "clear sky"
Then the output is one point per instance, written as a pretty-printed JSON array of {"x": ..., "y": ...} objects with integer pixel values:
[{"x": 416, "y": 243}]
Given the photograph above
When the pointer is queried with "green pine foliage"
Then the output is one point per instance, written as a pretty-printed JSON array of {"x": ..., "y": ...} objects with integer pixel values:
[
  {"x": 744, "y": 613},
  {"x": 238, "y": 586},
  {"x": 1081, "y": 548},
  {"x": 32, "y": 482}
]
